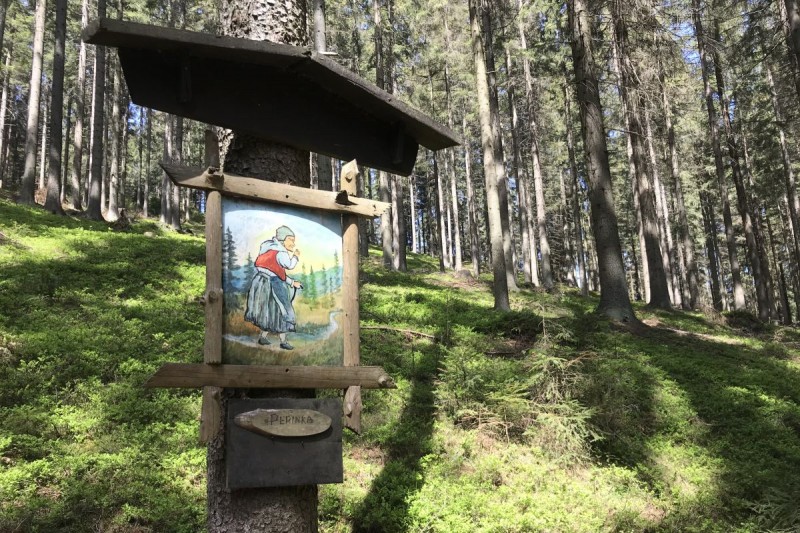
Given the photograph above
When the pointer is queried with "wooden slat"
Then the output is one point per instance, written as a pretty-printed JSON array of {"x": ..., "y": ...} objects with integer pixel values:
[
  {"x": 256, "y": 189},
  {"x": 210, "y": 414},
  {"x": 211, "y": 410},
  {"x": 350, "y": 303},
  {"x": 187, "y": 375},
  {"x": 212, "y": 352}
]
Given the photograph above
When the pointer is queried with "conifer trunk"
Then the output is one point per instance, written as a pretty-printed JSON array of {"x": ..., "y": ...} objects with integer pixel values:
[
  {"x": 493, "y": 195},
  {"x": 686, "y": 244},
  {"x": 53, "y": 201},
  {"x": 709, "y": 221},
  {"x": 762, "y": 298},
  {"x": 34, "y": 93},
  {"x": 736, "y": 277},
  {"x": 113, "y": 182},
  {"x": 577, "y": 218},
  {"x": 497, "y": 146},
  {"x": 80, "y": 112},
  {"x": 265, "y": 509},
  {"x": 96, "y": 171},
  {"x": 614, "y": 299},
  {"x": 472, "y": 215}
]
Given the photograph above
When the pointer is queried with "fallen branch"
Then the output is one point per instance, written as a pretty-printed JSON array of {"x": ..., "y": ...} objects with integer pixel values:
[{"x": 406, "y": 331}]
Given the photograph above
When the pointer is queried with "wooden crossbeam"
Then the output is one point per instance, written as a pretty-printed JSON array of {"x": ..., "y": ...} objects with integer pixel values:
[
  {"x": 209, "y": 179},
  {"x": 187, "y": 375}
]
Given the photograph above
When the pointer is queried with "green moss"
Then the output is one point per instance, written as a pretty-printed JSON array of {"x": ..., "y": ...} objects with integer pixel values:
[{"x": 546, "y": 418}]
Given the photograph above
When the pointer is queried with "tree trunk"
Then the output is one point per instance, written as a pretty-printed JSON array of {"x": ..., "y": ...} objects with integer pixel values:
[
  {"x": 493, "y": 195},
  {"x": 538, "y": 180},
  {"x": 43, "y": 145},
  {"x": 80, "y": 111},
  {"x": 166, "y": 205},
  {"x": 788, "y": 236},
  {"x": 146, "y": 186},
  {"x": 788, "y": 173},
  {"x": 267, "y": 509},
  {"x": 614, "y": 300},
  {"x": 633, "y": 103},
  {"x": 472, "y": 222},
  {"x": 53, "y": 200},
  {"x": 32, "y": 131},
  {"x": 114, "y": 134},
  {"x": 738, "y": 290},
  {"x": 398, "y": 226},
  {"x": 3, "y": 113},
  {"x": 65, "y": 153},
  {"x": 412, "y": 201},
  {"x": 688, "y": 262},
  {"x": 96, "y": 171},
  {"x": 4, "y": 7},
  {"x": 791, "y": 12},
  {"x": 517, "y": 172},
  {"x": 575, "y": 187},
  {"x": 662, "y": 214},
  {"x": 177, "y": 158},
  {"x": 762, "y": 294},
  {"x": 709, "y": 221},
  {"x": 497, "y": 146}
]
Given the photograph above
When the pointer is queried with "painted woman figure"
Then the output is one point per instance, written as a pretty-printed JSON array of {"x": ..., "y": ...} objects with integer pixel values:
[{"x": 269, "y": 300}]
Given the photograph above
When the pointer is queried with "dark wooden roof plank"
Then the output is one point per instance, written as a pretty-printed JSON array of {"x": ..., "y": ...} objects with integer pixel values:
[{"x": 282, "y": 93}]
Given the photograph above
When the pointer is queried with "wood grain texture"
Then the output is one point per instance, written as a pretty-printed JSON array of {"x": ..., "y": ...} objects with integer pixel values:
[
  {"x": 323, "y": 75},
  {"x": 212, "y": 352},
  {"x": 210, "y": 413},
  {"x": 188, "y": 375},
  {"x": 257, "y": 189},
  {"x": 350, "y": 303}
]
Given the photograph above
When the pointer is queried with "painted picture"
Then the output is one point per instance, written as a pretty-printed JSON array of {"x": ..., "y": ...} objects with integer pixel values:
[{"x": 282, "y": 280}]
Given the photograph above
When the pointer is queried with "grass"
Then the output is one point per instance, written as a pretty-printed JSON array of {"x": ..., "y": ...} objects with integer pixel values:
[{"x": 546, "y": 418}]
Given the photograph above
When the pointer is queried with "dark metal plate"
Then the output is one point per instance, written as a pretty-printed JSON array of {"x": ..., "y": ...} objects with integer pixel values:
[{"x": 255, "y": 460}]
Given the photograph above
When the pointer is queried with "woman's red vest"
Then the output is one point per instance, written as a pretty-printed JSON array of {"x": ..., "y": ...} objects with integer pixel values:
[{"x": 269, "y": 260}]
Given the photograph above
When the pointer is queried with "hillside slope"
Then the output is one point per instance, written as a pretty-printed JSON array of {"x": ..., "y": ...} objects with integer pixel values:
[{"x": 543, "y": 419}]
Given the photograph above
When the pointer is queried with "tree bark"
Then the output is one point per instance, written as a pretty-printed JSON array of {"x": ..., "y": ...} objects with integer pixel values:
[
  {"x": 577, "y": 218},
  {"x": 493, "y": 195},
  {"x": 497, "y": 146},
  {"x": 736, "y": 277},
  {"x": 3, "y": 113},
  {"x": 96, "y": 171},
  {"x": 114, "y": 134},
  {"x": 709, "y": 220},
  {"x": 266, "y": 509},
  {"x": 32, "y": 130},
  {"x": 146, "y": 186},
  {"x": 398, "y": 226},
  {"x": 53, "y": 201},
  {"x": 80, "y": 111},
  {"x": 614, "y": 300},
  {"x": 791, "y": 13},
  {"x": 177, "y": 158},
  {"x": 472, "y": 222},
  {"x": 633, "y": 104},
  {"x": 688, "y": 262},
  {"x": 538, "y": 179},
  {"x": 762, "y": 294},
  {"x": 663, "y": 216}
]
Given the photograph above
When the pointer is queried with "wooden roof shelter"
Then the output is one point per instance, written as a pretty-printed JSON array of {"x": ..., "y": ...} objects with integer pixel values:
[{"x": 282, "y": 93}]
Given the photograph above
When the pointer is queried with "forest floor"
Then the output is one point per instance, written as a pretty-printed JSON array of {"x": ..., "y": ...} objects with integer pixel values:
[{"x": 546, "y": 418}]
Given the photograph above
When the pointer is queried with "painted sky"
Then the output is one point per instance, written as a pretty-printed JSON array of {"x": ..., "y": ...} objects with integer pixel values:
[{"x": 318, "y": 233}]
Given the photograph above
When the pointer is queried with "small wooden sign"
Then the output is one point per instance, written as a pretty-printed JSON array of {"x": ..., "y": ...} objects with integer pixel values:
[
  {"x": 284, "y": 422},
  {"x": 254, "y": 459}
]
